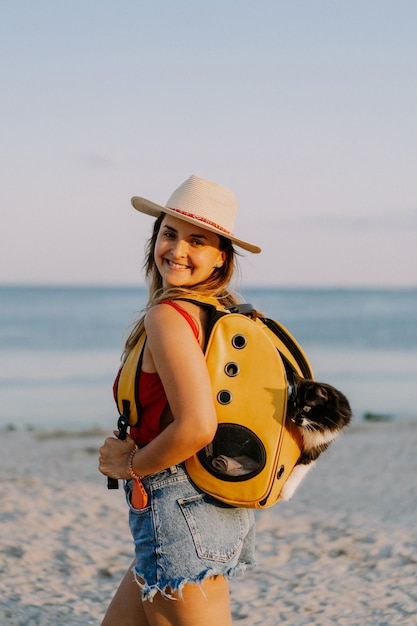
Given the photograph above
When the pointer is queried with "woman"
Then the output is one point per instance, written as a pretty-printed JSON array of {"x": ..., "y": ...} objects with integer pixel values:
[{"x": 187, "y": 543}]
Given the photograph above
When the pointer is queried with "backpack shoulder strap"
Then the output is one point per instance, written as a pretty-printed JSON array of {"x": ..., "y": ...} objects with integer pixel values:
[
  {"x": 214, "y": 309},
  {"x": 128, "y": 383}
]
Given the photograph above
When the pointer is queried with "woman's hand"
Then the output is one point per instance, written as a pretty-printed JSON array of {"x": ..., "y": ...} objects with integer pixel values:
[{"x": 114, "y": 457}]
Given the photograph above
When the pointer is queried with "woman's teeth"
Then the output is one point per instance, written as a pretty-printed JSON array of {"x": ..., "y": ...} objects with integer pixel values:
[{"x": 177, "y": 266}]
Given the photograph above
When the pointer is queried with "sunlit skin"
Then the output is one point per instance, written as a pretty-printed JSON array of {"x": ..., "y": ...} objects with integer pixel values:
[{"x": 186, "y": 254}]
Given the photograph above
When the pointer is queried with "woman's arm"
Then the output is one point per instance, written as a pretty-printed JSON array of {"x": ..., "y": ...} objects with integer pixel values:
[{"x": 180, "y": 363}]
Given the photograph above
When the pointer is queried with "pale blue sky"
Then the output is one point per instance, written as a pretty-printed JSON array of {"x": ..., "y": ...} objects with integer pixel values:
[{"x": 306, "y": 109}]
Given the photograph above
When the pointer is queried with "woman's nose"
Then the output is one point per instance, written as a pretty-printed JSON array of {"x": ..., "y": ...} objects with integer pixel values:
[{"x": 179, "y": 249}]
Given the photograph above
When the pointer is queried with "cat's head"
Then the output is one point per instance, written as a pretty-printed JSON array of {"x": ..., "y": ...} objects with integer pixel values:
[{"x": 318, "y": 406}]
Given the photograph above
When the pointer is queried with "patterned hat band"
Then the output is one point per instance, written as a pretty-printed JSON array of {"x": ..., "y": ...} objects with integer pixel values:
[{"x": 199, "y": 218}]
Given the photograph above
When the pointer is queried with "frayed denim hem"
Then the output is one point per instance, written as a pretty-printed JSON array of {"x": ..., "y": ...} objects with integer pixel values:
[{"x": 149, "y": 591}]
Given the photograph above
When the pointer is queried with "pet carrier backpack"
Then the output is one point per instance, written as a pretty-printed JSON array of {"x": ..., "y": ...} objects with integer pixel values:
[{"x": 255, "y": 448}]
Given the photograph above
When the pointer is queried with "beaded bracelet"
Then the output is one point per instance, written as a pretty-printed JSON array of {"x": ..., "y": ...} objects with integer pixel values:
[{"x": 131, "y": 470}]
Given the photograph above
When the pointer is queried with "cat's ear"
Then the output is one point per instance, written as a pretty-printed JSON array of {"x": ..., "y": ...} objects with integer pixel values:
[{"x": 322, "y": 393}]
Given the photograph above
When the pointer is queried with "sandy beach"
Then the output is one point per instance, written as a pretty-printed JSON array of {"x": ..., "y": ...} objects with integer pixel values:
[{"x": 342, "y": 552}]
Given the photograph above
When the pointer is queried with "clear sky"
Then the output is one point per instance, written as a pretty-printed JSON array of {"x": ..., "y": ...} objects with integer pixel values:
[{"x": 306, "y": 109}]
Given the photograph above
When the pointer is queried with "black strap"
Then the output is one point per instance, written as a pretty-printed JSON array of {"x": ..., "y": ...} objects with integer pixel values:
[
  {"x": 289, "y": 343},
  {"x": 122, "y": 424}
]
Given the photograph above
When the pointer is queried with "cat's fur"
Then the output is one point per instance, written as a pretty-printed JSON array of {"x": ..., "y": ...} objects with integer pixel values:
[{"x": 319, "y": 411}]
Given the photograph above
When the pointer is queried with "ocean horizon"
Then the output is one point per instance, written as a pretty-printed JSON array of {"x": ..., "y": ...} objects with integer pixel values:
[{"x": 61, "y": 347}]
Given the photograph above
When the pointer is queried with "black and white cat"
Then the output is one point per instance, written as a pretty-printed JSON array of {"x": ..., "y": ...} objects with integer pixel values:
[{"x": 319, "y": 411}]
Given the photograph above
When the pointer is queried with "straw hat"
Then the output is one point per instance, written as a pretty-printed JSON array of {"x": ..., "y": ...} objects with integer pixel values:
[{"x": 203, "y": 203}]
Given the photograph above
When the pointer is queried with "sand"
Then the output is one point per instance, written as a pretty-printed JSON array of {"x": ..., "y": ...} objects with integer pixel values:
[{"x": 342, "y": 552}]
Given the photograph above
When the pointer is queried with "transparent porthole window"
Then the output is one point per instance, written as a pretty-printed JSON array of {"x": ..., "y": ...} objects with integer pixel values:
[{"x": 235, "y": 454}]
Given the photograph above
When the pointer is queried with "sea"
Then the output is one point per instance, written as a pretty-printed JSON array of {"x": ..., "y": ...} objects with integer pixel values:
[{"x": 60, "y": 348}]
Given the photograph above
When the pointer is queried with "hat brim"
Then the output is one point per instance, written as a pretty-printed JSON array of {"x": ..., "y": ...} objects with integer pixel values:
[{"x": 150, "y": 208}]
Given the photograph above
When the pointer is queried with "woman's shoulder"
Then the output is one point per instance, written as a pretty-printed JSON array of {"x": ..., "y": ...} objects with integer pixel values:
[
  {"x": 166, "y": 315},
  {"x": 170, "y": 310}
]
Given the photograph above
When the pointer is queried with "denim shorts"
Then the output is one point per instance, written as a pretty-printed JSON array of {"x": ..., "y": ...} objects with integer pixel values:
[{"x": 185, "y": 536}]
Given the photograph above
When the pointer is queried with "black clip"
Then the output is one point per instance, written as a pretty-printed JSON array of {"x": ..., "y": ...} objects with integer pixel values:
[{"x": 122, "y": 425}]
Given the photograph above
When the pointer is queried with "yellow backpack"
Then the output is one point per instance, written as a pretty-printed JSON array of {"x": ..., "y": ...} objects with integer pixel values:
[{"x": 254, "y": 449}]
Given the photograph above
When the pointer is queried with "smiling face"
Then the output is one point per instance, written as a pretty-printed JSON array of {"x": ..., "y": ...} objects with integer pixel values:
[{"x": 185, "y": 254}]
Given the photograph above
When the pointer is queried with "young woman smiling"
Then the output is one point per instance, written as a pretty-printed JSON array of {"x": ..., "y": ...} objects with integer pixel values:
[{"x": 187, "y": 544}]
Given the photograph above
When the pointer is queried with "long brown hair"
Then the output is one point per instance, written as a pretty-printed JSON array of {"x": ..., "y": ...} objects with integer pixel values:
[{"x": 217, "y": 284}]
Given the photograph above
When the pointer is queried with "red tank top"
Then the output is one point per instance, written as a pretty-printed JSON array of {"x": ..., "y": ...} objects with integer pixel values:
[{"x": 152, "y": 398}]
